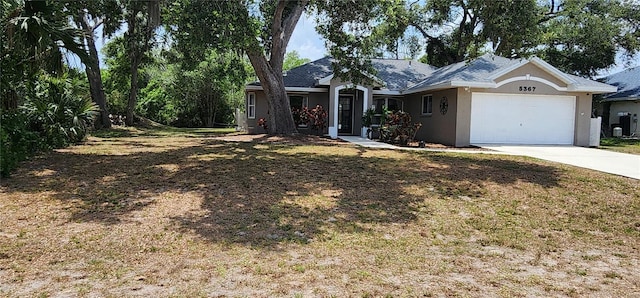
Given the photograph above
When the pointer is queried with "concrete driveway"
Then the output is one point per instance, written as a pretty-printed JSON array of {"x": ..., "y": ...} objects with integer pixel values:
[{"x": 622, "y": 164}]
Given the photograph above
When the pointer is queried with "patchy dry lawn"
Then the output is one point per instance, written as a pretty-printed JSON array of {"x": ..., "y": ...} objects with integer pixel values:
[
  {"x": 181, "y": 214},
  {"x": 621, "y": 145}
]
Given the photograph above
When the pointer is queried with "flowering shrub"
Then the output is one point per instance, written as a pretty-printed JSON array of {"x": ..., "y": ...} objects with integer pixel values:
[
  {"x": 262, "y": 123},
  {"x": 316, "y": 118},
  {"x": 300, "y": 116},
  {"x": 398, "y": 128}
]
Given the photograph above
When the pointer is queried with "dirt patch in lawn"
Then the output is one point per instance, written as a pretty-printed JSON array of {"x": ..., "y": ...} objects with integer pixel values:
[{"x": 178, "y": 213}]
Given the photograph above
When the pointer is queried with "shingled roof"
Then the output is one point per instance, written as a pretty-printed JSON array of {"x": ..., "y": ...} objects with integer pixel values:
[
  {"x": 483, "y": 71},
  {"x": 478, "y": 70},
  {"x": 407, "y": 76},
  {"x": 628, "y": 83},
  {"x": 396, "y": 75}
]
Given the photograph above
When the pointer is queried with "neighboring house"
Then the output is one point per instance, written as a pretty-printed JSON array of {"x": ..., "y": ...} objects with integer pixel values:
[
  {"x": 488, "y": 100},
  {"x": 624, "y": 106}
]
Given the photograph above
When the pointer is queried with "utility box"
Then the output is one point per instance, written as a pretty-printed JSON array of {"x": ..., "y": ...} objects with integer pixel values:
[
  {"x": 594, "y": 132},
  {"x": 625, "y": 122},
  {"x": 617, "y": 132}
]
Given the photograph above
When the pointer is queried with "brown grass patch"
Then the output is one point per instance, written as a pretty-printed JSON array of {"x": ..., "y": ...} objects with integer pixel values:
[{"x": 181, "y": 213}]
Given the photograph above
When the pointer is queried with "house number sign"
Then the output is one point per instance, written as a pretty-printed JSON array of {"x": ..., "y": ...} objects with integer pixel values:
[{"x": 527, "y": 89}]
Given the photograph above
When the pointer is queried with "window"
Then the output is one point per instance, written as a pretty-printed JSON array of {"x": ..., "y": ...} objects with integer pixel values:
[
  {"x": 251, "y": 105},
  {"x": 394, "y": 104},
  {"x": 427, "y": 104},
  {"x": 298, "y": 101},
  {"x": 391, "y": 104}
]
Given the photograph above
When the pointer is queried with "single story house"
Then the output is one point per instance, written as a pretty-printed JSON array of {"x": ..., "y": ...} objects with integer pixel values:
[
  {"x": 487, "y": 100},
  {"x": 624, "y": 105}
]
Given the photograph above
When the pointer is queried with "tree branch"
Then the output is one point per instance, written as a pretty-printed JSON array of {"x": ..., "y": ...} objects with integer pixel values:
[{"x": 282, "y": 29}]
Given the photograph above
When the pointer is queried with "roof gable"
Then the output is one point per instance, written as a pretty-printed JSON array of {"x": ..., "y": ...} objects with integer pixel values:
[
  {"x": 532, "y": 70},
  {"x": 489, "y": 71}
]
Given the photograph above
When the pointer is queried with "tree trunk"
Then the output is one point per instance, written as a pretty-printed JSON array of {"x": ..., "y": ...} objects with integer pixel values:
[
  {"x": 279, "y": 120},
  {"x": 92, "y": 68},
  {"x": 133, "y": 92},
  {"x": 269, "y": 72},
  {"x": 134, "y": 56}
]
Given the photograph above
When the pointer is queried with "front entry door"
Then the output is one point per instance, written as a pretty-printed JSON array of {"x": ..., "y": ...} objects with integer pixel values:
[{"x": 345, "y": 114}]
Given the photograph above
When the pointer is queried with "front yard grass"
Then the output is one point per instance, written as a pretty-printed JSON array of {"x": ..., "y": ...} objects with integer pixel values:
[
  {"x": 179, "y": 213},
  {"x": 621, "y": 145}
]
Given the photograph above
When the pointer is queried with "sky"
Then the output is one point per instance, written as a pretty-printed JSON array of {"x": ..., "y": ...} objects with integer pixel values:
[{"x": 306, "y": 41}]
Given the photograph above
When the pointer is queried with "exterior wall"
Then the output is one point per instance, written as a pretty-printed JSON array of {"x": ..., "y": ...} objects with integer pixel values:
[
  {"x": 262, "y": 109},
  {"x": 583, "y": 119},
  {"x": 632, "y": 107},
  {"x": 463, "y": 117},
  {"x": 514, "y": 88},
  {"x": 314, "y": 100},
  {"x": 436, "y": 128},
  {"x": 534, "y": 71}
]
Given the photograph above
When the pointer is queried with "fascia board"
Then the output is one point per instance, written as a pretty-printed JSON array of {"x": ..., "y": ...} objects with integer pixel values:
[
  {"x": 593, "y": 89},
  {"x": 552, "y": 70},
  {"x": 386, "y": 92},
  {"x": 326, "y": 80},
  {"x": 289, "y": 89}
]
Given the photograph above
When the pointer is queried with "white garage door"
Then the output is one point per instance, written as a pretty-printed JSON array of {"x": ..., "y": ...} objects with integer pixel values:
[{"x": 522, "y": 119}]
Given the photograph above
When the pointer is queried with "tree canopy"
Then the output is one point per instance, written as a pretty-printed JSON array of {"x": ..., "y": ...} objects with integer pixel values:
[{"x": 578, "y": 36}]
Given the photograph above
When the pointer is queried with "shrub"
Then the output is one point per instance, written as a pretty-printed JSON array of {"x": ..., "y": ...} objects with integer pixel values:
[
  {"x": 263, "y": 123},
  {"x": 316, "y": 118},
  {"x": 56, "y": 113},
  {"x": 59, "y": 111},
  {"x": 397, "y": 128},
  {"x": 17, "y": 141}
]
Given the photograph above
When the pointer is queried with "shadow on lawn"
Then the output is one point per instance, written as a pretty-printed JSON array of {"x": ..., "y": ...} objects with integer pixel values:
[{"x": 262, "y": 195}]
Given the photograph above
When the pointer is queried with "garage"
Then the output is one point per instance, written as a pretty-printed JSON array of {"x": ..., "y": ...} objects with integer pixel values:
[{"x": 522, "y": 119}]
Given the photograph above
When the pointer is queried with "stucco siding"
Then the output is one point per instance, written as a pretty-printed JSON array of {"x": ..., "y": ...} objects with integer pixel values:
[
  {"x": 436, "y": 128},
  {"x": 463, "y": 117},
  {"x": 515, "y": 88},
  {"x": 583, "y": 119},
  {"x": 261, "y": 111},
  {"x": 262, "y": 108},
  {"x": 534, "y": 71}
]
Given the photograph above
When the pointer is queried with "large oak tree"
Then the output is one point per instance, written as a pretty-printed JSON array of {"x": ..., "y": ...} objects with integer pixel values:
[
  {"x": 259, "y": 30},
  {"x": 262, "y": 30}
]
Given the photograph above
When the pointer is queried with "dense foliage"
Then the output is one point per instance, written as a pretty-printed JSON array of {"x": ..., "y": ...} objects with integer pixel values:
[
  {"x": 55, "y": 113},
  {"x": 175, "y": 91},
  {"x": 45, "y": 104}
]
